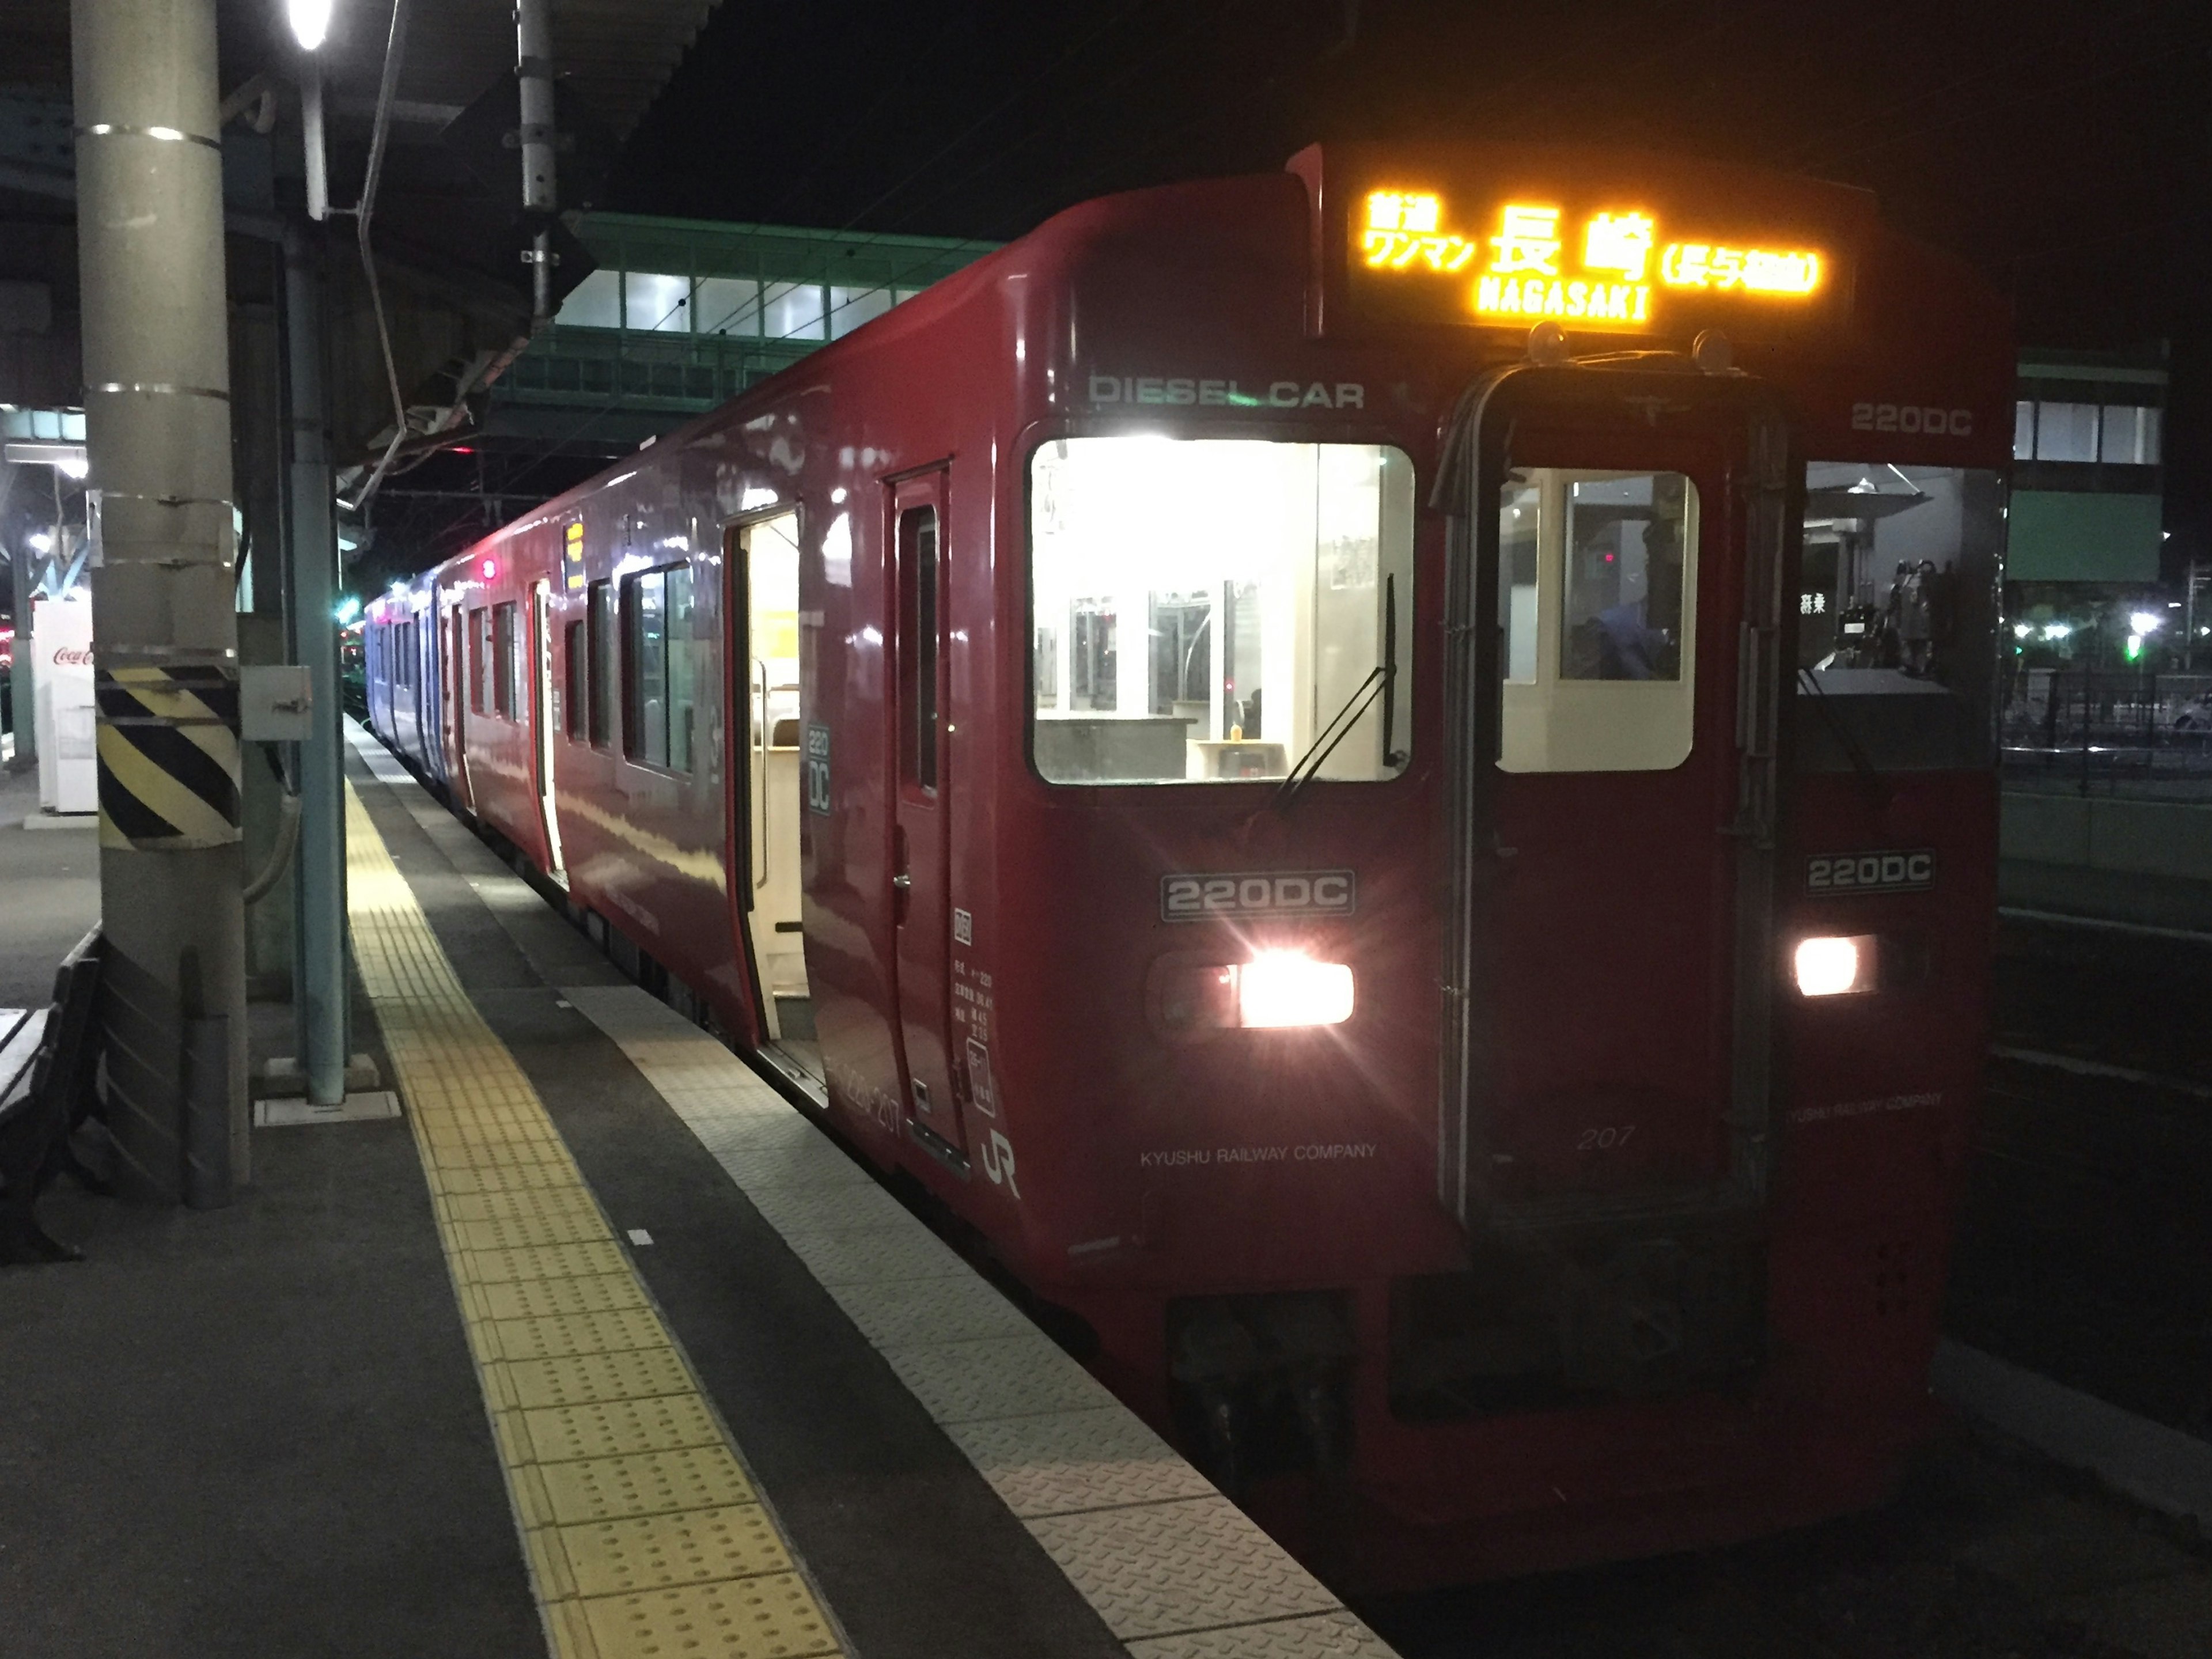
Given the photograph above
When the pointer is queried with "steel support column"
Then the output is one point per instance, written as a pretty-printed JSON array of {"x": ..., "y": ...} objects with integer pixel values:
[
  {"x": 157, "y": 420},
  {"x": 318, "y": 874},
  {"x": 533, "y": 70}
]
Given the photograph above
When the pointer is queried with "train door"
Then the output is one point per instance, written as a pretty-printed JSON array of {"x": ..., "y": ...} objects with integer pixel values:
[
  {"x": 761, "y": 560},
  {"x": 922, "y": 789},
  {"x": 543, "y": 718},
  {"x": 1616, "y": 882}
]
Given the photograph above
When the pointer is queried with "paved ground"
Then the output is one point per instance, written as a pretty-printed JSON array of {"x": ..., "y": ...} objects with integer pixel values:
[{"x": 253, "y": 1431}]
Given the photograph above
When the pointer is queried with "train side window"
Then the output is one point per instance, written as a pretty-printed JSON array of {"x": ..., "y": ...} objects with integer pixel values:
[
  {"x": 1219, "y": 610},
  {"x": 1597, "y": 573},
  {"x": 1898, "y": 615},
  {"x": 605, "y": 699},
  {"x": 917, "y": 656},
  {"x": 479, "y": 658},
  {"x": 575, "y": 679},
  {"x": 660, "y": 668},
  {"x": 505, "y": 659}
]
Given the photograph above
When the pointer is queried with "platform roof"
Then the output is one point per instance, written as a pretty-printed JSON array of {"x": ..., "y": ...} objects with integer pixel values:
[{"x": 615, "y": 54}]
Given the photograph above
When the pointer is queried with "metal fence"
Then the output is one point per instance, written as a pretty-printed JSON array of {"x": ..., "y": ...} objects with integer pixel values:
[{"x": 2119, "y": 731}]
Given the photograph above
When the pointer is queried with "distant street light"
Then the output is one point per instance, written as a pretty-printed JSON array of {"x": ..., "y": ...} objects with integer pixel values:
[
  {"x": 2146, "y": 621},
  {"x": 310, "y": 20}
]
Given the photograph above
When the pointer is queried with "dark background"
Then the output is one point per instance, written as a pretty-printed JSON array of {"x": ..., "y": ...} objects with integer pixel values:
[{"x": 2063, "y": 148}]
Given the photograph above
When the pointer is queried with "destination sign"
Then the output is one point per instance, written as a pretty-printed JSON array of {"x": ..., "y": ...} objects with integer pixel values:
[{"x": 1605, "y": 268}]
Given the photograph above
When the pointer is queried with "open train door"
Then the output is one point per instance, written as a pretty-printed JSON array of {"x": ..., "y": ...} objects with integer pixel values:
[
  {"x": 1619, "y": 540},
  {"x": 760, "y": 560},
  {"x": 921, "y": 787}
]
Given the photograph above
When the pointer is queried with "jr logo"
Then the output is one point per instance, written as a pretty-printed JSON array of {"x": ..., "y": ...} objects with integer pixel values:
[{"x": 999, "y": 1161}]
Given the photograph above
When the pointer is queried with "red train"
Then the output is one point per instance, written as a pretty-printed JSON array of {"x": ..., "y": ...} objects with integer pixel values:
[{"x": 1382, "y": 776}]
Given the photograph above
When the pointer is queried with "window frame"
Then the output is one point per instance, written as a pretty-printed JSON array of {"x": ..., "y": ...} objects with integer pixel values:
[
  {"x": 603, "y": 718},
  {"x": 479, "y": 649},
  {"x": 1411, "y": 591},
  {"x": 575, "y": 677},
  {"x": 505, "y": 656},
  {"x": 920, "y": 650},
  {"x": 633, "y": 689}
]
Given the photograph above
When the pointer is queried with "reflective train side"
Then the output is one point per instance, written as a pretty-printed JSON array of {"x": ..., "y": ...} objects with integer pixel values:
[{"x": 1443, "y": 1146}]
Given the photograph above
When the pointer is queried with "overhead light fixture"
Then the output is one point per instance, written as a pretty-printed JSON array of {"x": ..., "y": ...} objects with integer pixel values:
[{"x": 310, "y": 20}]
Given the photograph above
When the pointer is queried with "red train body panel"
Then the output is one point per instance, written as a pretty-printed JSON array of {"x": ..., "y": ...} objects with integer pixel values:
[{"x": 1277, "y": 1244}]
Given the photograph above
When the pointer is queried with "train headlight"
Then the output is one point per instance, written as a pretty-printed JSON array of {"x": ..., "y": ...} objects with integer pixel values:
[
  {"x": 1278, "y": 988},
  {"x": 1833, "y": 967}
]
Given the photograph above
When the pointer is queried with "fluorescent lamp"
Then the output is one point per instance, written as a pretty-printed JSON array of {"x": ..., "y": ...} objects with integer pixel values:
[{"x": 310, "y": 20}]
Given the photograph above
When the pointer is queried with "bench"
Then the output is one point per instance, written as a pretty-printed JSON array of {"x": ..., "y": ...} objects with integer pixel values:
[{"x": 46, "y": 1061}]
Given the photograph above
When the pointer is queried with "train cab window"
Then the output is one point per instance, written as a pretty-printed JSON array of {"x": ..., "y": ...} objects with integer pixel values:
[
  {"x": 660, "y": 664},
  {"x": 1597, "y": 577},
  {"x": 604, "y": 703},
  {"x": 1897, "y": 618},
  {"x": 1213, "y": 610},
  {"x": 506, "y": 659},
  {"x": 575, "y": 680},
  {"x": 479, "y": 660}
]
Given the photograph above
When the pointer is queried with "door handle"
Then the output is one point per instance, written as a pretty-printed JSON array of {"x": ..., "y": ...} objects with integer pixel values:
[{"x": 902, "y": 883}]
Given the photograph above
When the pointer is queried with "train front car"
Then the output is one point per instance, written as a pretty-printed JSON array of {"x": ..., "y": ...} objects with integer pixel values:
[{"x": 1475, "y": 976}]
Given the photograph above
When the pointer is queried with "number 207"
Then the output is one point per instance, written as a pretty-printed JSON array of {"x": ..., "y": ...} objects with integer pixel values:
[{"x": 1604, "y": 1140}]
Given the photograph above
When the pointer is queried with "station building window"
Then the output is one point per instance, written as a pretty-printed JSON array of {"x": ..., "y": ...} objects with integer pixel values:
[
  {"x": 595, "y": 302},
  {"x": 660, "y": 662},
  {"x": 655, "y": 303},
  {"x": 727, "y": 305},
  {"x": 791, "y": 310},
  {"x": 1202, "y": 611},
  {"x": 851, "y": 307},
  {"x": 2118, "y": 434},
  {"x": 2066, "y": 431}
]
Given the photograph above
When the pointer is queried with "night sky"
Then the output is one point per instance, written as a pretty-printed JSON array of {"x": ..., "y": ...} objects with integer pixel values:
[{"x": 2065, "y": 149}]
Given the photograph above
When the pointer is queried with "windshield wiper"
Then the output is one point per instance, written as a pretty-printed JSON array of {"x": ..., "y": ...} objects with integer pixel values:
[
  {"x": 1872, "y": 782},
  {"x": 1382, "y": 680}
]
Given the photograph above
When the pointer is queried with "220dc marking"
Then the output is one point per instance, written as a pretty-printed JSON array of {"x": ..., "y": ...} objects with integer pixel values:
[
  {"x": 1249, "y": 893},
  {"x": 1871, "y": 873}
]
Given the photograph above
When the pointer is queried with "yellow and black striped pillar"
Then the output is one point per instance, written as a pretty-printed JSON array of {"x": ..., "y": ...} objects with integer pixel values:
[{"x": 169, "y": 757}]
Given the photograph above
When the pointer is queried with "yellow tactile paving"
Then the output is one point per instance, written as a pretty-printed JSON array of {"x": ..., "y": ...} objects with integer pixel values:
[{"x": 645, "y": 1538}]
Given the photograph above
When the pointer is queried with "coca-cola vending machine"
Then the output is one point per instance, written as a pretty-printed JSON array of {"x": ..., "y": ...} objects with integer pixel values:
[{"x": 61, "y": 646}]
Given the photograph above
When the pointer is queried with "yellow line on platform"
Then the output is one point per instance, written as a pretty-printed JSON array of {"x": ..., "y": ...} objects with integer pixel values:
[{"x": 643, "y": 1535}]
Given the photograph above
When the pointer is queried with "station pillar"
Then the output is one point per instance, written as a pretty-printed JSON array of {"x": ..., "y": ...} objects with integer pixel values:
[
  {"x": 157, "y": 427},
  {"x": 319, "y": 984}
]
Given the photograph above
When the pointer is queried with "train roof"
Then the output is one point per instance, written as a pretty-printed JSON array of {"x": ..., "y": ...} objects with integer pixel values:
[{"x": 1766, "y": 256}]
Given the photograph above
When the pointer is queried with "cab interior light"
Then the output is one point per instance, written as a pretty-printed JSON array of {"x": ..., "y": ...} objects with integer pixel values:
[
  {"x": 1278, "y": 989},
  {"x": 1829, "y": 965}
]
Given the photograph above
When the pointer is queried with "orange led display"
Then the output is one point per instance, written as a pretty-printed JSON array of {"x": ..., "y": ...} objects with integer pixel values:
[
  {"x": 1401, "y": 230},
  {"x": 1751, "y": 270},
  {"x": 1599, "y": 271}
]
